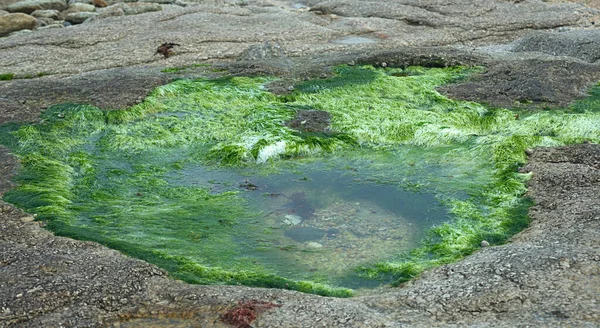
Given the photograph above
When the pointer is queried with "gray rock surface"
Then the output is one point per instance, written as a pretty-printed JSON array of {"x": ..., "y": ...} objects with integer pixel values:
[
  {"x": 47, "y": 13},
  {"x": 79, "y": 17},
  {"x": 29, "y": 6},
  {"x": 15, "y": 22},
  {"x": 79, "y": 7},
  {"x": 547, "y": 276}
]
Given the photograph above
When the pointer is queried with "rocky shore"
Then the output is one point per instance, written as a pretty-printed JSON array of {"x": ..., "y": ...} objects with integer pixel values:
[{"x": 536, "y": 53}]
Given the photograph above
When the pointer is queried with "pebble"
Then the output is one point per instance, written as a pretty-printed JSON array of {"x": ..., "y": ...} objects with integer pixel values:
[
  {"x": 313, "y": 244},
  {"x": 485, "y": 243}
]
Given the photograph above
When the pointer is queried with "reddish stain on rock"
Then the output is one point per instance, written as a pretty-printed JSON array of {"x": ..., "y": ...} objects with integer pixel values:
[{"x": 241, "y": 315}]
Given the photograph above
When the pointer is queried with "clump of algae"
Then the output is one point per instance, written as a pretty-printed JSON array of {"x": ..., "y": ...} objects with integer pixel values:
[{"x": 103, "y": 176}]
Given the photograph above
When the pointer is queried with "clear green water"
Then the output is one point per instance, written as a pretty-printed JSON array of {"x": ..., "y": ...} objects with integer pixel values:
[{"x": 321, "y": 219}]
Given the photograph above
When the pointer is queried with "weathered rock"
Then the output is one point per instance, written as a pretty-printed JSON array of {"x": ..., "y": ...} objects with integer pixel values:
[
  {"x": 267, "y": 50},
  {"x": 29, "y": 6},
  {"x": 79, "y": 8},
  {"x": 3, "y": 12},
  {"x": 110, "y": 11},
  {"x": 15, "y": 22},
  {"x": 79, "y": 17},
  {"x": 43, "y": 21},
  {"x": 47, "y": 13},
  {"x": 162, "y": 2},
  {"x": 140, "y": 8},
  {"x": 100, "y": 3},
  {"x": 53, "y": 25},
  {"x": 581, "y": 44}
]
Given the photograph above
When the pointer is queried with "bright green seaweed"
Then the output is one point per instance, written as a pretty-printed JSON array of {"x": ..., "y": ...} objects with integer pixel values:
[{"x": 109, "y": 176}]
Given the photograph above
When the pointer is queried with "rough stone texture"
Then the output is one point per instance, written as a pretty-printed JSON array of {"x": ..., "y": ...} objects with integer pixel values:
[
  {"x": 549, "y": 275},
  {"x": 79, "y": 7},
  {"x": 49, "y": 13},
  {"x": 29, "y": 6},
  {"x": 79, "y": 17},
  {"x": 15, "y": 22}
]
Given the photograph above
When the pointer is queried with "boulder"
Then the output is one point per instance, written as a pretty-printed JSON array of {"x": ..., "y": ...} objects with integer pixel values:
[
  {"x": 15, "y": 22},
  {"x": 29, "y": 6},
  {"x": 78, "y": 7},
  {"x": 47, "y": 13},
  {"x": 80, "y": 17}
]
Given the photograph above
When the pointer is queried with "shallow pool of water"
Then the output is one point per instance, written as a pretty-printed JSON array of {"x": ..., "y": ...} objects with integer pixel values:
[{"x": 321, "y": 219}]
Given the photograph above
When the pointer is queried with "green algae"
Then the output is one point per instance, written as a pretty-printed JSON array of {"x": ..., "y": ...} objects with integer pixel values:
[{"x": 142, "y": 180}]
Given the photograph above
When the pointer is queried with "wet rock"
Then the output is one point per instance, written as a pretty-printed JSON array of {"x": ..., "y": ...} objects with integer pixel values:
[
  {"x": 305, "y": 234},
  {"x": 15, "y": 22},
  {"x": 29, "y": 6},
  {"x": 310, "y": 121},
  {"x": 314, "y": 245},
  {"x": 79, "y": 17},
  {"x": 292, "y": 219}
]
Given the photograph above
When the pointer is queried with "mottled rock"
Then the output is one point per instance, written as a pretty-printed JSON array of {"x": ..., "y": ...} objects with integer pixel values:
[
  {"x": 44, "y": 21},
  {"x": 15, "y": 22},
  {"x": 80, "y": 17},
  {"x": 140, "y": 8},
  {"x": 100, "y": 3},
  {"x": 582, "y": 44},
  {"x": 269, "y": 49},
  {"x": 54, "y": 25},
  {"x": 29, "y": 6},
  {"x": 79, "y": 8},
  {"x": 110, "y": 11},
  {"x": 46, "y": 13}
]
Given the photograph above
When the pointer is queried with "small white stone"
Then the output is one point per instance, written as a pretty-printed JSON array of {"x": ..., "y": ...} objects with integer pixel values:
[
  {"x": 312, "y": 244},
  {"x": 485, "y": 243},
  {"x": 292, "y": 219}
]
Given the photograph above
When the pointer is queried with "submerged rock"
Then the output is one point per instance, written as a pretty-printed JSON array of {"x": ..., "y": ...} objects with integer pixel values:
[
  {"x": 305, "y": 234},
  {"x": 291, "y": 219}
]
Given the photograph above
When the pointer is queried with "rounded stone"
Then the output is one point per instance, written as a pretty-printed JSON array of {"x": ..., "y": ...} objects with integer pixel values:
[
  {"x": 80, "y": 17},
  {"x": 29, "y": 6},
  {"x": 16, "y": 22}
]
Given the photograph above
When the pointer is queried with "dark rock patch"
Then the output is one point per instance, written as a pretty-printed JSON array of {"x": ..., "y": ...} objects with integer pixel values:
[
  {"x": 534, "y": 82},
  {"x": 310, "y": 121}
]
